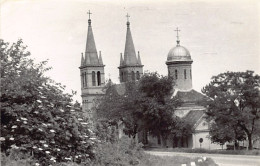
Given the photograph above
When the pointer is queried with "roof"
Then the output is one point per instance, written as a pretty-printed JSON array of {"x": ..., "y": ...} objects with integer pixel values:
[
  {"x": 91, "y": 55},
  {"x": 193, "y": 117},
  {"x": 190, "y": 96},
  {"x": 130, "y": 58},
  {"x": 179, "y": 53}
]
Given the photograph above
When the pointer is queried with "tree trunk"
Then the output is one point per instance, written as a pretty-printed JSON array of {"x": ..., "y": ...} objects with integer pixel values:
[
  {"x": 250, "y": 146},
  {"x": 182, "y": 142},
  {"x": 159, "y": 139},
  {"x": 175, "y": 142},
  {"x": 164, "y": 140}
]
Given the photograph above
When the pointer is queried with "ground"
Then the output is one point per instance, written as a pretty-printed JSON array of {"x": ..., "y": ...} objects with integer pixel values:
[{"x": 220, "y": 159}]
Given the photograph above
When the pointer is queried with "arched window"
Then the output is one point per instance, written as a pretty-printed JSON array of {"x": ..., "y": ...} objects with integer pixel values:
[
  {"x": 126, "y": 76},
  {"x": 98, "y": 78},
  {"x": 85, "y": 77},
  {"x": 185, "y": 74},
  {"x": 190, "y": 74},
  {"x": 133, "y": 75},
  {"x": 82, "y": 79},
  {"x": 137, "y": 75},
  {"x": 93, "y": 78},
  {"x": 176, "y": 74},
  {"x": 122, "y": 77}
]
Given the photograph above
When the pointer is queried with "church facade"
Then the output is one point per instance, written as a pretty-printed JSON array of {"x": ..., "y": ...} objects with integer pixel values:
[{"x": 179, "y": 65}]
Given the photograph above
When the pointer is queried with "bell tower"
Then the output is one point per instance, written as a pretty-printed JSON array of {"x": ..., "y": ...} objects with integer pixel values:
[
  {"x": 179, "y": 66},
  {"x": 92, "y": 73},
  {"x": 131, "y": 68}
]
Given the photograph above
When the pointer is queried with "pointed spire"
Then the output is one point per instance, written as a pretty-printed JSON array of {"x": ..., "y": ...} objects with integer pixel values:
[
  {"x": 129, "y": 54},
  {"x": 139, "y": 59},
  {"x": 83, "y": 62},
  {"x": 91, "y": 51},
  {"x": 178, "y": 39},
  {"x": 87, "y": 59},
  {"x": 121, "y": 60},
  {"x": 100, "y": 59}
]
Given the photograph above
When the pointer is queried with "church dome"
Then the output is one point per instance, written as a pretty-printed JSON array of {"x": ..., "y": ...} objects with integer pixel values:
[{"x": 179, "y": 53}]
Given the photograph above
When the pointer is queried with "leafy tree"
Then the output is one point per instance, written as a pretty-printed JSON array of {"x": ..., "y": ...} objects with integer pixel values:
[
  {"x": 37, "y": 117},
  {"x": 226, "y": 132},
  {"x": 235, "y": 101},
  {"x": 180, "y": 131},
  {"x": 116, "y": 107},
  {"x": 142, "y": 106}
]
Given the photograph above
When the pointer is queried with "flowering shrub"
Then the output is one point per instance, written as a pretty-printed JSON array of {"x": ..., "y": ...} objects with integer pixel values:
[{"x": 37, "y": 117}]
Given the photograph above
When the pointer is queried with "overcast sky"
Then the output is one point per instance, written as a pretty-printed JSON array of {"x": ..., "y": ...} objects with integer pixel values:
[{"x": 220, "y": 35}]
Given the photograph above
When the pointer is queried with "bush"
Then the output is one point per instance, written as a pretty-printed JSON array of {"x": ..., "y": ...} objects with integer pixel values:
[
  {"x": 125, "y": 151},
  {"x": 37, "y": 116},
  {"x": 16, "y": 158}
]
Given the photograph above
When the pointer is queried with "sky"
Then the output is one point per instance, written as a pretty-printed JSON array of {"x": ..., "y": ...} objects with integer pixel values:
[{"x": 220, "y": 35}]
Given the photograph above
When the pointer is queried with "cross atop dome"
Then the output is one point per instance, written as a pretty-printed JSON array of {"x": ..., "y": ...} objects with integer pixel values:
[{"x": 178, "y": 39}]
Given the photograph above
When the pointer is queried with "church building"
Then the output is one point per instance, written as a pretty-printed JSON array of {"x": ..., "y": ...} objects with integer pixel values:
[{"x": 179, "y": 65}]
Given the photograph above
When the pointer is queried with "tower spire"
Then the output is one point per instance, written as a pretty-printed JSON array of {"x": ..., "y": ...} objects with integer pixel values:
[
  {"x": 178, "y": 39},
  {"x": 131, "y": 68},
  {"x": 129, "y": 54},
  {"x": 139, "y": 59},
  {"x": 100, "y": 59},
  {"x": 91, "y": 50},
  {"x": 83, "y": 62}
]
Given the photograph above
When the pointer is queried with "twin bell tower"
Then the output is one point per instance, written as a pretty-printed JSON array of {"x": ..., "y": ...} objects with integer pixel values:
[{"x": 92, "y": 68}]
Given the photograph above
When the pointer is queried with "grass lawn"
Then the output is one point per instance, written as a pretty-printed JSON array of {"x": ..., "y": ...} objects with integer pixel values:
[
  {"x": 146, "y": 160},
  {"x": 151, "y": 160},
  {"x": 186, "y": 150}
]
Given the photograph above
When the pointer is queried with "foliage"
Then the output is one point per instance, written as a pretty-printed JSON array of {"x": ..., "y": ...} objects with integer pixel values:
[
  {"x": 180, "y": 130},
  {"x": 120, "y": 108},
  {"x": 141, "y": 106},
  {"x": 16, "y": 158},
  {"x": 125, "y": 151},
  {"x": 37, "y": 117},
  {"x": 234, "y": 100},
  {"x": 156, "y": 103},
  {"x": 106, "y": 131},
  {"x": 221, "y": 133}
]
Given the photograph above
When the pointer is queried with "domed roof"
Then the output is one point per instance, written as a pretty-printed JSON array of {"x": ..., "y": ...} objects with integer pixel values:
[{"x": 179, "y": 53}]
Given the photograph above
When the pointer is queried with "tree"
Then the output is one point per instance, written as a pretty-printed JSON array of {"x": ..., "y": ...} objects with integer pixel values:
[
  {"x": 143, "y": 106},
  {"x": 234, "y": 100},
  {"x": 37, "y": 117},
  {"x": 118, "y": 107},
  {"x": 180, "y": 131},
  {"x": 226, "y": 132}
]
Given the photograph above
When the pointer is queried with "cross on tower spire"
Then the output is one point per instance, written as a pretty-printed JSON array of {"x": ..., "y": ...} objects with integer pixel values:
[
  {"x": 89, "y": 14},
  {"x": 89, "y": 20},
  {"x": 178, "y": 40},
  {"x": 127, "y": 16},
  {"x": 127, "y": 23}
]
